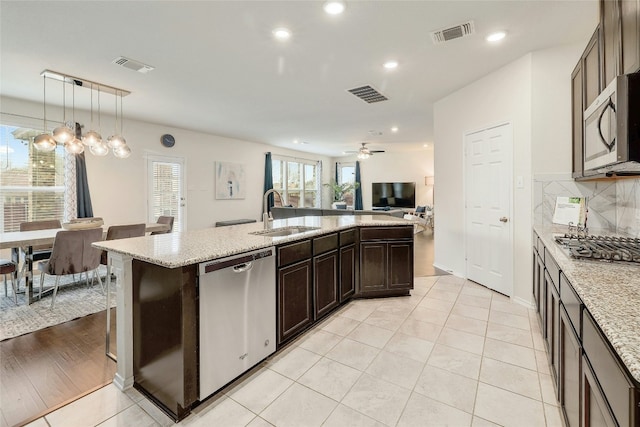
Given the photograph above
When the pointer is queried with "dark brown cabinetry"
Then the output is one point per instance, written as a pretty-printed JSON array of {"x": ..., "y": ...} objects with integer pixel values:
[
  {"x": 609, "y": 41},
  {"x": 325, "y": 274},
  {"x": 552, "y": 325},
  {"x": 595, "y": 411},
  {"x": 294, "y": 285},
  {"x": 386, "y": 261},
  {"x": 348, "y": 264},
  {"x": 577, "y": 118},
  {"x": 569, "y": 370},
  {"x": 591, "y": 69},
  {"x": 538, "y": 274},
  {"x": 630, "y": 35}
]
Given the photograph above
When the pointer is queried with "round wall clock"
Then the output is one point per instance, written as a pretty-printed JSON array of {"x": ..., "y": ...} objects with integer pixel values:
[{"x": 168, "y": 140}]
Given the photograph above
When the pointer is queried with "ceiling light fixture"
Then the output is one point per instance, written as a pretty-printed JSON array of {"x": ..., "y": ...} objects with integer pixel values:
[
  {"x": 496, "y": 37},
  {"x": 334, "y": 7},
  {"x": 390, "y": 65},
  {"x": 394, "y": 129},
  {"x": 44, "y": 142},
  {"x": 66, "y": 133},
  {"x": 363, "y": 155},
  {"x": 282, "y": 34}
]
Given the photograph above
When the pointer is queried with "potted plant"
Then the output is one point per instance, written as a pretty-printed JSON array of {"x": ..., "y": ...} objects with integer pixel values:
[{"x": 338, "y": 191}]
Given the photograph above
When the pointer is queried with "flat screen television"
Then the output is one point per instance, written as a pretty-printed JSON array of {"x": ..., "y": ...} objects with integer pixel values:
[{"x": 393, "y": 194}]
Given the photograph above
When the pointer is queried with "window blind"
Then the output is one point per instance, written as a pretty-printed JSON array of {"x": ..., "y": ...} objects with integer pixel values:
[{"x": 166, "y": 191}]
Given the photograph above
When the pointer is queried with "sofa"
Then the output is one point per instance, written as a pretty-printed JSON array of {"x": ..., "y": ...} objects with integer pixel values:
[{"x": 284, "y": 212}]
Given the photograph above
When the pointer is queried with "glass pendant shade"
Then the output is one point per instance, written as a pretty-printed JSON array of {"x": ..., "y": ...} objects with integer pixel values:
[
  {"x": 63, "y": 134},
  {"x": 91, "y": 138},
  {"x": 74, "y": 146},
  {"x": 122, "y": 152},
  {"x": 363, "y": 156},
  {"x": 116, "y": 141},
  {"x": 44, "y": 142},
  {"x": 99, "y": 149}
]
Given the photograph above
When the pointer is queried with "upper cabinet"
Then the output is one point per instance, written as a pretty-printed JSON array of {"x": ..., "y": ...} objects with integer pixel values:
[
  {"x": 610, "y": 46},
  {"x": 629, "y": 34}
]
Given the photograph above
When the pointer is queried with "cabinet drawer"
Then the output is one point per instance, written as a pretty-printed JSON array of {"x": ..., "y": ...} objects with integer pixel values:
[
  {"x": 347, "y": 237},
  {"x": 534, "y": 240},
  {"x": 617, "y": 388},
  {"x": 572, "y": 304},
  {"x": 294, "y": 252},
  {"x": 541, "y": 248},
  {"x": 385, "y": 233},
  {"x": 552, "y": 268},
  {"x": 324, "y": 244}
]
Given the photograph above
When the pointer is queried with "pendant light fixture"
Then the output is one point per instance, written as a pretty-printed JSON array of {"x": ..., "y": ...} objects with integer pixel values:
[
  {"x": 44, "y": 142},
  {"x": 63, "y": 134},
  {"x": 66, "y": 135},
  {"x": 92, "y": 137}
]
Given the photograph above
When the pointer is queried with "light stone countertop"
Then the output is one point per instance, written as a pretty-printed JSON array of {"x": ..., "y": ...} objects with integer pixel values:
[
  {"x": 611, "y": 293},
  {"x": 179, "y": 249}
]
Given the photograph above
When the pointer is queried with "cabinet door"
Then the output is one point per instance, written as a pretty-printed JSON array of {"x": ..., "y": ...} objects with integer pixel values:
[
  {"x": 591, "y": 69},
  {"x": 347, "y": 272},
  {"x": 400, "y": 265},
  {"x": 325, "y": 283},
  {"x": 373, "y": 267},
  {"x": 295, "y": 310},
  {"x": 630, "y": 35},
  {"x": 609, "y": 43},
  {"x": 595, "y": 411},
  {"x": 577, "y": 121},
  {"x": 552, "y": 326},
  {"x": 569, "y": 371}
]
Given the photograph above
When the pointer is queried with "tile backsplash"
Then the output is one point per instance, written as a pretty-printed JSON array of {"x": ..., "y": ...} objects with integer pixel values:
[{"x": 613, "y": 205}]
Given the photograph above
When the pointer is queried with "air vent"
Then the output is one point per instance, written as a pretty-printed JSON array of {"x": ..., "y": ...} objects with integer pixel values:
[
  {"x": 368, "y": 94},
  {"x": 132, "y": 65},
  {"x": 451, "y": 33}
]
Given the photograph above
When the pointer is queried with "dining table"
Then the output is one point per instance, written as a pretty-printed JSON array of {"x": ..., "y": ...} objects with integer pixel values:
[{"x": 14, "y": 240}]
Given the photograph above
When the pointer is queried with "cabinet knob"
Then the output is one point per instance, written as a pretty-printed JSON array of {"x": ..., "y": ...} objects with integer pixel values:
[{"x": 504, "y": 219}]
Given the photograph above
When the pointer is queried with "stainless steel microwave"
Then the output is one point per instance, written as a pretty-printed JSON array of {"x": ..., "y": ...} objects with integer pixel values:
[{"x": 612, "y": 128}]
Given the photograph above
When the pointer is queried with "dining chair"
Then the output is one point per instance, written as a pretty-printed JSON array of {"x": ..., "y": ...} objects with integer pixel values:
[
  {"x": 9, "y": 267},
  {"x": 116, "y": 232},
  {"x": 164, "y": 220},
  {"x": 72, "y": 253},
  {"x": 39, "y": 252}
]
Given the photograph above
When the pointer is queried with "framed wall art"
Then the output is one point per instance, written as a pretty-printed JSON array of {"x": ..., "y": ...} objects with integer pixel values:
[{"x": 230, "y": 181}]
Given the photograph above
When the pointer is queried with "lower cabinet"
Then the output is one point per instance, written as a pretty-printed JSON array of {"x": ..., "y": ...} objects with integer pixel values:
[
  {"x": 348, "y": 265},
  {"x": 295, "y": 304},
  {"x": 325, "y": 275},
  {"x": 386, "y": 261},
  {"x": 595, "y": 411},
  {"x": 552, "y": 326},
  {"x": 569, "y": 370}
]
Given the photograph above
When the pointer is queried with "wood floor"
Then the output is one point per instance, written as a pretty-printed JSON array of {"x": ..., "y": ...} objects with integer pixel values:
[{"x": 46, "y": 369}]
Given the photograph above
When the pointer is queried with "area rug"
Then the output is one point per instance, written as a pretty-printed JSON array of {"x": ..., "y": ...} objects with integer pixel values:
[{"x": 74, "y": 300}]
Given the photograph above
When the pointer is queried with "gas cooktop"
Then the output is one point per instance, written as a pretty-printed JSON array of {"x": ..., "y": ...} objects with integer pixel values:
[{"x": 602, "y": 248}]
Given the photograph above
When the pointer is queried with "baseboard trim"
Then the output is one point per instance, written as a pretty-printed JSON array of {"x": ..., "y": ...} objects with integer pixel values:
[{"x": 522, "y": 301}]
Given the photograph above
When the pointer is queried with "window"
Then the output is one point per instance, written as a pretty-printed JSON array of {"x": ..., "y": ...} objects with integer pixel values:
[
  {"x": 347, "y": 175},
  {"x": 31, "y": 181},
  {"x": 298, "y": 181},
  {"x": 166, "y": 197}
]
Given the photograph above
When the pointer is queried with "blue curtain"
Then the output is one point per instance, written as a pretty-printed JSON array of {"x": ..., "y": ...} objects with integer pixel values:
[
  {"x": 337, "y": 166},
  {"x": 358, "y": 202},
  {"x": 84, "y": 207},
  {"x": 268, "y": 180}
]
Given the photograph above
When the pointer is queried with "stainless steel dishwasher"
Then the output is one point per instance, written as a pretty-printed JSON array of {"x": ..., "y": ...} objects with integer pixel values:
[{"x": 237, "y": 316}]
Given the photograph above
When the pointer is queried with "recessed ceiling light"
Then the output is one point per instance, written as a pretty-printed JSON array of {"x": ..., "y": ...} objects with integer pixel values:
[
  {"x": 495, "y": 37},
  {"x": 334, "y": 7},
  {"x": 390, "y": 65},
  {"x": 295, "y": 141},
  {"x": 282, "y": 33},
  {"x": 426, "y": 145},
  {"x": 394, "y": 129}
]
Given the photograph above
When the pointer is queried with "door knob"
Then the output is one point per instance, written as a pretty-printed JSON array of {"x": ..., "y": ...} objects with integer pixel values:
[{"x": 504, "y": 219}]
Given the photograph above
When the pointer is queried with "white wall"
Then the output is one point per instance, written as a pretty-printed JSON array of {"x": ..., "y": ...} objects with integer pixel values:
[
  {"x": 533, "y": 93},
  {"x": 404, "y": 166},
  {"x": 118, "y": 187}
]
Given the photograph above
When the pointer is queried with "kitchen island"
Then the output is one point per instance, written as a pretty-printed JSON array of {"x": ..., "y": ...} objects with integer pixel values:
[
  {"x": 318, "y": 269},
  {"x": 589, "y": 314}
]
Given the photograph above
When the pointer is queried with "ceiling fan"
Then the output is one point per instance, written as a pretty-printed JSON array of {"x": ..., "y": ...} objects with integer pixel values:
[{"x": 363, "y": 152}]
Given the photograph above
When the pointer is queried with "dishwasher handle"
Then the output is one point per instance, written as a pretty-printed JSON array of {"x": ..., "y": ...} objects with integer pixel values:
[{"x": 241, "y": 268}]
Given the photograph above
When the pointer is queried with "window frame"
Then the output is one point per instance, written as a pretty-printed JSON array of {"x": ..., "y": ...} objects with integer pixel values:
[
  {"x": 341, "y": 180},
  {"x": 302, "y": 188}
]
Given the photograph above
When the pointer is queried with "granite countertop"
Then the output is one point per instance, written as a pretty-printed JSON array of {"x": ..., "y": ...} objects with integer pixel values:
[
  {"x": 179, "y": 249},
  {"x": 611, "y": 293}
]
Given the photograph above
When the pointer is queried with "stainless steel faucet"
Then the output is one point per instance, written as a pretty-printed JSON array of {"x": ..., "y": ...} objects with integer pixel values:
[{"x": 265, "y": 214}]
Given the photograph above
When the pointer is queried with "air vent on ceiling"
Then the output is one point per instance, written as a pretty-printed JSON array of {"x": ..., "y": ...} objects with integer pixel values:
[
  {"x": 368, "y": 94},
  {"x": 451, "y": 33},
  {"x": 132, "y": 65}
]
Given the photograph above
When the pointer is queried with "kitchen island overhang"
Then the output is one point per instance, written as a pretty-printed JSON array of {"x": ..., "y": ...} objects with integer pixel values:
[{"x": 174, "y": 257}]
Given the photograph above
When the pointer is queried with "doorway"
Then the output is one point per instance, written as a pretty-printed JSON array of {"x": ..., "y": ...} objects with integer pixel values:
[
  {"x": 165, "y": 194},
  {"x": 488, "y": 189}
]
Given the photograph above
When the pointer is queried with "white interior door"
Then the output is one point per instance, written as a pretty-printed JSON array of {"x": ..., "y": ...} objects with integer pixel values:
[
  {"x": 489, "y": 246},
  {"x": 165, "y": 194}
]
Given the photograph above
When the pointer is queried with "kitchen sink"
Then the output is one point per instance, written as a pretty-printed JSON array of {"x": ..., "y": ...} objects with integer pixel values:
[{"x": 284, "y": 231}]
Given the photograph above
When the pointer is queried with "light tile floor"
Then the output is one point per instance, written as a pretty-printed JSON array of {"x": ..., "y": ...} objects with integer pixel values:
[{"x": 453, "y": 353}]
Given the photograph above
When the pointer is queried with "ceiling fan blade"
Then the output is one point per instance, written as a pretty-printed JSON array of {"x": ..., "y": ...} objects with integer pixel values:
[
  {"x": 350, "y": 152},
  {"x": 376, "y": 151}
]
